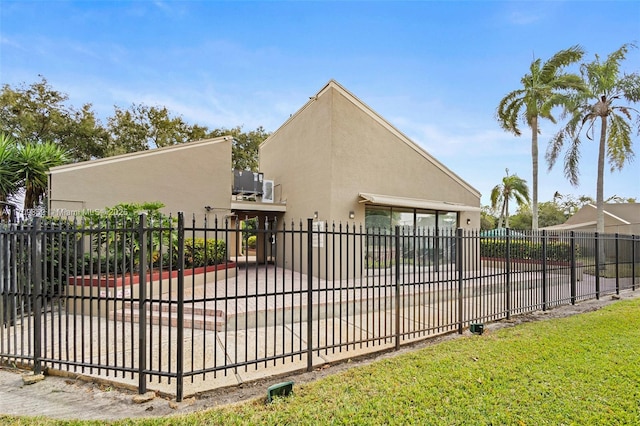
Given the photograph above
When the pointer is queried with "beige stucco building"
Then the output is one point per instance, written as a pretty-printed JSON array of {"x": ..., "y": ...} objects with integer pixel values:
[
  {"x": 336, "y": 158},
  {"x": 335, "y": 161},
  {"x": 184, "y": 177},
  {"x": 620, "y": 218}
]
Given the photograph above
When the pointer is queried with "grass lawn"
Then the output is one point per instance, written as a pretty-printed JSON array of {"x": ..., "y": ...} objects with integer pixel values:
[{"x": 579, "y": 370}]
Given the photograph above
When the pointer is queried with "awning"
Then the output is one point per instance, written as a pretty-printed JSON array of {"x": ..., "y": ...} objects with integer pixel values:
[{"x": 416, "y": 203}]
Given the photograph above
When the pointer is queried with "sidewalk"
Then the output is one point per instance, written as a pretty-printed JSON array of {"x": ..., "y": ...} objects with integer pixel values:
[{"x": 69, "y": 399}]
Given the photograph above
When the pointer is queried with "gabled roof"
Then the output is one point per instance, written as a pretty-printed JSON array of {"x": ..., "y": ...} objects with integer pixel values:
[
  {"x": 135, "y": 155},
  {"x": 614, "y": 214},
  {"x": 334, "y": 85}
]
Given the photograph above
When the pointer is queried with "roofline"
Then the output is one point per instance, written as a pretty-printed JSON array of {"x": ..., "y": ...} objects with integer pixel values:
[
  {"x": 606, "y": 212},
  {"x": 137, "y": 154},
  {"x": 382, "y": 121}
]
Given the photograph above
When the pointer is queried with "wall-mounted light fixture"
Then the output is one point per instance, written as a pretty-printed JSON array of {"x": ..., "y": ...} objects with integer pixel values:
[
  {"x": 352, "y": 215},
  {"x": 315, "y": 215},
  {"x": 468, "y": 221}
]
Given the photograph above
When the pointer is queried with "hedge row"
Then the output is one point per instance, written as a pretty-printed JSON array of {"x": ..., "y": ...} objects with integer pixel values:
[{"x": 525, "y": 249}]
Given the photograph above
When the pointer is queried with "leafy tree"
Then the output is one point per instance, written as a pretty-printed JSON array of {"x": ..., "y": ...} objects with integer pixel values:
[
  {"x": 245, "y": 146},
  {"x": 142, "y": 127},
  {"x": 487, "y": 218},
  {"x": 605, "y": 88},
  {"x": 512, "y": 187},
  {"x": 38, "y": 113},
  {"x": 522, "y": 218},
  {"x": 570, "y": 204},
  {"x": 552, "y": 214},
  {"x": 543, "y": 88},
  {"x": 618, "y": 199}
]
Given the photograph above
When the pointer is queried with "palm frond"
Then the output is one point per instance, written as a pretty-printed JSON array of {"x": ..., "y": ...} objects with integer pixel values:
[
  {"x": 619, "y": 142},
  {"x": 571, "y": 161},
  {"x": 559, "y": 60}
]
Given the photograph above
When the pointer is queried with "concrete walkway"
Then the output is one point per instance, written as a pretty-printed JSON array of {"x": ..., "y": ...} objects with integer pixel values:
[{"x": 278, "y": 327}]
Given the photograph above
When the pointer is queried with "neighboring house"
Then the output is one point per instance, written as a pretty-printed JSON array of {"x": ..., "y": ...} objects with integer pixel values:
[
  {"x": 335, "y": 160},
  {"x": 620, "y": 218}
]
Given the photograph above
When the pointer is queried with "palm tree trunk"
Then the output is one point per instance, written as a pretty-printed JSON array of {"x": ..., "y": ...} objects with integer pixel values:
[
  {"x": 502, "y": 210},
  {"x": 534, "y": 158},
  {"x": 506, "y": 212},
  {"x": 600, "y": 187},
  {"x": 29, "y": 202},
  {"x": 600, "y": 182}
]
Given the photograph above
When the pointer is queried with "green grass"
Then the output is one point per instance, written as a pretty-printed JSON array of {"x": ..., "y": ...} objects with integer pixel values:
[{"x": 580, "y": 370}]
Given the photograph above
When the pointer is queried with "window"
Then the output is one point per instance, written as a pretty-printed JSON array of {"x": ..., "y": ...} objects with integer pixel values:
[{"x": 387, "y": 218}]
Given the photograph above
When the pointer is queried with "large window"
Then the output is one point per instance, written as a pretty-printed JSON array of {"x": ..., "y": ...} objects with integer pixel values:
[
  {"x": 431, "y": 244},
  {"x": 379, "y": 217}
]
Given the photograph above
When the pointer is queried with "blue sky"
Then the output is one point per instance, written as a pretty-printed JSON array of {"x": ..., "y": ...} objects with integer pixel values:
[{"x": 436, "y": 70}]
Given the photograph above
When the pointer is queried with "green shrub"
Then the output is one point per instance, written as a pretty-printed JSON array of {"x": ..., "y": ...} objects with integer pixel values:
[
  {"x": 252, "y": 241},
  {"x": 525, "y": 249},
  {"x": 116, "y": 245},
  {"x": 200, "y": 252}
]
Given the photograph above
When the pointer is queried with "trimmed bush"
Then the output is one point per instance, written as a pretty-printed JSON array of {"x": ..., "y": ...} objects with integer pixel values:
[
  {"x": 525, "y": 249},
  {"x": 251, "y": 241},
  {"x": 200, "y": 252}
]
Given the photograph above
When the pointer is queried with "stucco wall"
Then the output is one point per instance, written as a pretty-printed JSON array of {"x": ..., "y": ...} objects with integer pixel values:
[
  {"x": 370, "y": 157},
  {"x": 298, "y": 158},
  {"x": 333, "y": 149},
  {"x": 185, "y": 178}
]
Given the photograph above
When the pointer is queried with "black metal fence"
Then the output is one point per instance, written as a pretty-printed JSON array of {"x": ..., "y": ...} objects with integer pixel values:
[{"x": 186, "y": 307}]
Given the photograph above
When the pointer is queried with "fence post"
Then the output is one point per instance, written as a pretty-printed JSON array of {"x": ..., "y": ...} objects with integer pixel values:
[
  {"x": 633, "y": 262},
  {"x": 142, "y": 304},
  {"x": 617, "y": 263},
  {"x": 460, "y": 278},
  {"x": 597, "y": 248},
  {"x": 36, "y": 293},
  {"x": 180, "y": 312},
  {"x": 310, "y": 293},
  {"x": 508, "y": 272},
  {"x": 5, "y": 277},
  {"x": 397, "y": 286},
  {"x": 572, "y": 247},
  {"x": 544, "y": 270}
]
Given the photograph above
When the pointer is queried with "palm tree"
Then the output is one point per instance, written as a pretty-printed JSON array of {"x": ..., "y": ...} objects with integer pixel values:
[
  {"x": 34, "y": 161},
  {"x": 9, "y": 182},
  {"x": 512, "y": 187},
  {"x": 605, "y": 87},
  {"x": 543, "y": 88}
]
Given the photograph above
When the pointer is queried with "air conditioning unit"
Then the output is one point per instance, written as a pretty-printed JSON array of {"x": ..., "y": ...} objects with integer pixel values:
[
  {"x": 247, "y": 182},
  {"x": 267, "y": 191}
]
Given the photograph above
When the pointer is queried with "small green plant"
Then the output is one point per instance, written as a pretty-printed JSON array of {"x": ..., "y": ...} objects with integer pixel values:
[
  {"x": 116, "y": 240},
  {"x": 252, "y": 241},
  {"x": 200, "y": 252}
]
